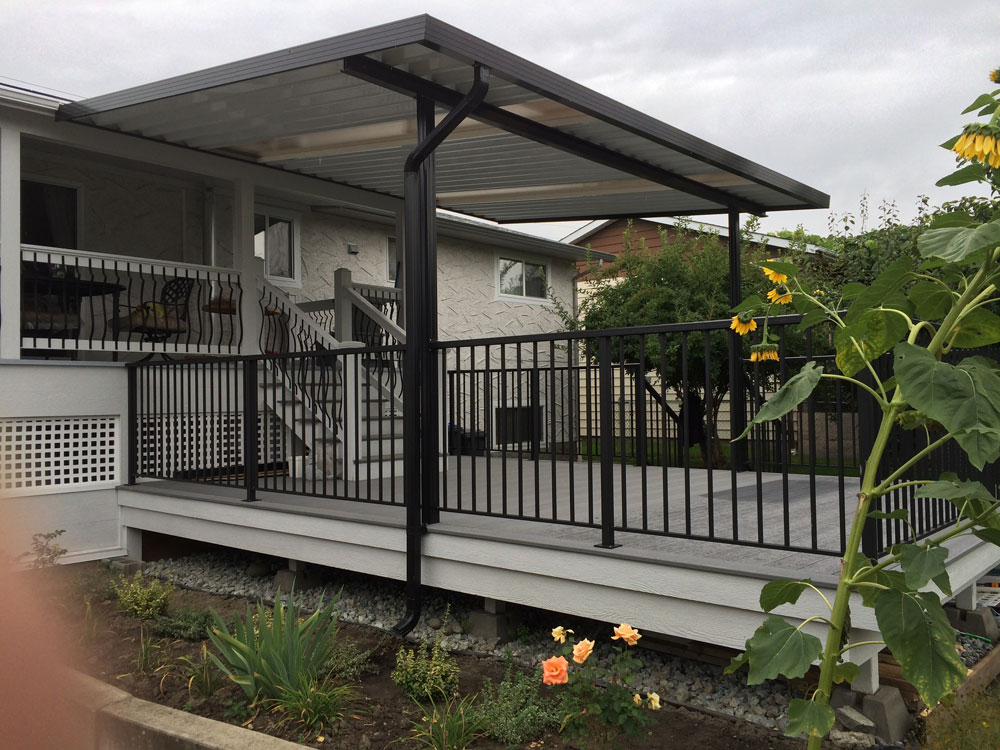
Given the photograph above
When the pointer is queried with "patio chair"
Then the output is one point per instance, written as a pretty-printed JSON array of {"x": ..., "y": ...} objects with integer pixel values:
[{"x": 156, "y": 321}]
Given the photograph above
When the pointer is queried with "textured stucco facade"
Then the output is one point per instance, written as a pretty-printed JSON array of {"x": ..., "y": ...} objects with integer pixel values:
[{"x": 468, "y": 303}]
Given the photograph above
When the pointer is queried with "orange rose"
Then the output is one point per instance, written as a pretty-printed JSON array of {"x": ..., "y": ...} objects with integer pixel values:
[
  {"x": 555, "y": 671},
  {"x": 582, "y": 650},
  {"x": 626, "y": 633}
]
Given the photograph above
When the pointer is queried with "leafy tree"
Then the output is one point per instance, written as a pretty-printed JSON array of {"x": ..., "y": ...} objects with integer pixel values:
[{"x": 685, "y": 281}]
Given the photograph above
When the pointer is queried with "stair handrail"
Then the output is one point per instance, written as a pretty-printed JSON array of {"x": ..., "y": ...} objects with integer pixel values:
[{"x": 282, "y": 304}]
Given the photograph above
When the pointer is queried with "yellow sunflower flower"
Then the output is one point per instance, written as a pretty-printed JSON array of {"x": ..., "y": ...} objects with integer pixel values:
[
  {"x": 743, "y": 323},
  {"x": 979, "y": 142},
  {"x": 995, "y": 76},
  {"x": 774, "y": 276},
  {"x": 763, "y": 352},
  {"x": 780, "y": 295}
]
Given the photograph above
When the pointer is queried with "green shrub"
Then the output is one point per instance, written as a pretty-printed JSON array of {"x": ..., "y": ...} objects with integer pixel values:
[
  {"x": 314, "y": 705},
  {"x": 45, "y": 552},
  {"x": 347, "y": 661},
  {"x": 427, "y": 671},
  {"x": 513, "y": 712},
  {"x": 185, "y": 623},
  {"x": 140, "y": 598},
  {"x": 202, "y": 677},
  {"x": 452, "y": 726},
  {"x": 280, "y": 653}
]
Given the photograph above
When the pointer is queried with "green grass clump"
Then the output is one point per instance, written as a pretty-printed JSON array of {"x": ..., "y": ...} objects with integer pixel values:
[
  {"x": 269, "y": 655},
  {"x": 140, "y": 598}
]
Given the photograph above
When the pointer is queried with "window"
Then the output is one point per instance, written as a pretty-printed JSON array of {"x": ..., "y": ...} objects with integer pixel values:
[
  {"x": 274, "y": 241},
  {"x": 391, "y": 259},
  {"x": 519, "y": 278},
  {"x": 49, "y": 214}
]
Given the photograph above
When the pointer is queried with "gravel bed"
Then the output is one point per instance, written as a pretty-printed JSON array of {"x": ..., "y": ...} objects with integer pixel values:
[{"x": 380, "y": 603}]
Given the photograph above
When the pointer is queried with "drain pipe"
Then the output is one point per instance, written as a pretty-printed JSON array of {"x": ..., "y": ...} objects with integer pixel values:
[{"x": 420, "y": 457}]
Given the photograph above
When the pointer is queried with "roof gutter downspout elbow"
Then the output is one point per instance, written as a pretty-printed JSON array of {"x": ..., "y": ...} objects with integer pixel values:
[
  {"x": 474, "y": 97},
  {"x": 418, "y": 507}
]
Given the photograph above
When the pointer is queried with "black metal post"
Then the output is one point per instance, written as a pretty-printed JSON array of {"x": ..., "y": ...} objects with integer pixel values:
[
  {"x": 607, "y": 419},
  {"x": 737, "y": 390},
  {"x": 250, "y": 469},
  {"x": 132, "y": 420},
  {"x": 420, "y": 370}
]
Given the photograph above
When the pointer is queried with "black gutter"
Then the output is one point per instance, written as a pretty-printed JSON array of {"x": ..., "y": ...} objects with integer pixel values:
[{"x": 420, "y": 387}]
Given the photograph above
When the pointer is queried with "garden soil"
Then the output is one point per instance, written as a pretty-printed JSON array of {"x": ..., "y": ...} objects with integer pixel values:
[{"x": 106, "y": 643}]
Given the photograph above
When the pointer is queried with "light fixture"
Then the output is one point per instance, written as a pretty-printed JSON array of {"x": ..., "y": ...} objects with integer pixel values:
[{"x": 352, "y": 248}]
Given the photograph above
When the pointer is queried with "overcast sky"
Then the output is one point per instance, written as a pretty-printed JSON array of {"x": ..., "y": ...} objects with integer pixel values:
[{"x": 846, "y": 97}]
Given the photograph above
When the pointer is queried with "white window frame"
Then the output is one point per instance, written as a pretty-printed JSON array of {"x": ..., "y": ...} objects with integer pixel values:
[
  {"x": 389, "y": 269},
  {"x": 58, "y": 182},
  {"x": 499, "y": 257},
  {"x": 295, "y": 219}
]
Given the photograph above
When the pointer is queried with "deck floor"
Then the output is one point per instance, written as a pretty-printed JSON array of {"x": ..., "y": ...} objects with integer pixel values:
[{"x": 565, "y": 496}]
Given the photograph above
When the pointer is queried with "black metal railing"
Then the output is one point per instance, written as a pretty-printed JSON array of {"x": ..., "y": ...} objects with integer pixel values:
[
  {"x": 628, "y": 431},
  {"x": 75, "y": 301},
  {"x": 305, "y": 423}
]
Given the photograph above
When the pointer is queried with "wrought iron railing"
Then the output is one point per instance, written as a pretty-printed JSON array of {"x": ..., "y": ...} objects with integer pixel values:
[
  {"x": 628, "y": 431},
  {"x": 78, "y": 301},
  {"x": 264, "y": 423}
]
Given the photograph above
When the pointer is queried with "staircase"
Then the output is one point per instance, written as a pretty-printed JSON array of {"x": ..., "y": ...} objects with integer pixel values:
[{"x": 342, "y": 406}]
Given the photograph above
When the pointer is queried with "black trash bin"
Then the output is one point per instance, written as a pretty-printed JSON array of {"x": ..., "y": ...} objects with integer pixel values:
[{"x": 473, "y": 443}]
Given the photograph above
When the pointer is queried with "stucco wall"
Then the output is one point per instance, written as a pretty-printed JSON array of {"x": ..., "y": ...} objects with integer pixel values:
[{"x": 468, "y": 305}]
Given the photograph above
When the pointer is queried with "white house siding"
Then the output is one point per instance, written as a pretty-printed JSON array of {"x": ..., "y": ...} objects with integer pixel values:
[{"x": 50, "y": 395}]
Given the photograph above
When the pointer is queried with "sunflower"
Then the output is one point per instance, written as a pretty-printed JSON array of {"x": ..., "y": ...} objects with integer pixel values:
[
  {"x": 763, "y": 352},
  {"x": 775, "y": 277},
  {"x": 979, "y": 143},
  {"x": 780, "y": 295},
  {"x": 743, "y": 323},
  {"x": 995, "y": 76}
]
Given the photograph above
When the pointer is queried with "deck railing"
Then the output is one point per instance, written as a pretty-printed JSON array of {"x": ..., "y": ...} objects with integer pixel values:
[
  {"x": 79, "y": 301},
  {"x": 623, "y": 432},
  {"x": 561, "y": 419},
  {"x": 288, "y": 423}
]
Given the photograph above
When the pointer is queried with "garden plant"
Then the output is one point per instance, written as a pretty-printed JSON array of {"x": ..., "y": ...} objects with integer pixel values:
[
  {"x": 925, "y": 320},
  {"x": 599, "y": 704}
]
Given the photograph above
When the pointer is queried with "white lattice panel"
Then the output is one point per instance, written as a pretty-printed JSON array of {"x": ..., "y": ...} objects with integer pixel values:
[{"x": 58, "y": 454}]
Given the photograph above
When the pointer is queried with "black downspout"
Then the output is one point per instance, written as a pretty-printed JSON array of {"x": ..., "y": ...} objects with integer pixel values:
[{"x": 420, "y": 386}]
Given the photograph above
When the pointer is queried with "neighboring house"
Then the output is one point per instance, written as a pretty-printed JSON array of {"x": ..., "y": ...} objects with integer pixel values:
[
  {"x": 229, "y": 314},
  {"x": 607, "y": 236}
]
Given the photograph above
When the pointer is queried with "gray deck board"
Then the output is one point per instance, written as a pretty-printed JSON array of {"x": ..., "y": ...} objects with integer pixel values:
[{"x": 676, "y": 501}]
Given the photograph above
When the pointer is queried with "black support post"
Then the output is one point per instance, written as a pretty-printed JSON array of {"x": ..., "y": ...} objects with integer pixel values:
[
  {"x": 420, "y": 364},
  {"x": 737, "y": 389},
  {"x": 250, "y": 468},
  {"x": 132, "y": 420},
  {"x": 607, "y": 420}
]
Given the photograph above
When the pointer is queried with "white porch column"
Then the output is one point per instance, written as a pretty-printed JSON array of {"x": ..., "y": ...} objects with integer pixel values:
[
  {"x": 343, "y": 307},
  {"x": 10, "y": 243},
  {"x": 251, "y": 268}
]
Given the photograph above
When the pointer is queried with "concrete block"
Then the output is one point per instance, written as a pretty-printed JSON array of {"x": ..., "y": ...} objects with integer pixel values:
[
  {"x": 844, "y": 696},
  {"x": 487, "y": 625},
  {"x": 852, "y": 740},
  {"x": 285, "y": 579},
  {"x": 981, "y": 622},
  {"x": 954, "y": 616},
  {"x": 853, "y": 720},
  {"x": 887, "y": 710},
  {"x": 139, "y": 725}
]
